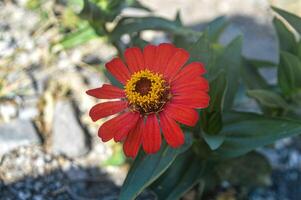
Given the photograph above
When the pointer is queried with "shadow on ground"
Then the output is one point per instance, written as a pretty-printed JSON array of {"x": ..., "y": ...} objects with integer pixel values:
[{"x": 74, "y": 184}]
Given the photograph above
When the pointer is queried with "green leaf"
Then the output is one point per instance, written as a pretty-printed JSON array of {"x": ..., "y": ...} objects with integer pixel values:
[
  {"x": 216, "y": 27},
  {"x": 230, "y": 61},
  {"x": 211, "y": 34},
  {"x": 129, "y": 25},
  {"x": 286, "y": 38},
  {"x": 201, "y": 51},
  {"x": 251, "y": 75},
  {"x": 260, "y": 63},
  {"x": 79, "y": 37},
  {"x": 214, "y": 140},
  {"x": 268, "y": 98},
  {"x": 240, "y": 171},
  {"x": 294, "y": 20},
  {"x": 211, "y": 117},
  {"x": 245, "y": 132},
  {"x": 289, "y": 73},
  {"x": 217, "y": 92},
  {"x": 147, "y": 168},
  {"x": 181, "y": 176},
  {"x": 299, "y": 50}
]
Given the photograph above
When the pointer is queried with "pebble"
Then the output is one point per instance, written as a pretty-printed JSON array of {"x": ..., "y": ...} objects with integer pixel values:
[
  {"x": 68, "y": 137},
  {"x": 17, "y": 133}
]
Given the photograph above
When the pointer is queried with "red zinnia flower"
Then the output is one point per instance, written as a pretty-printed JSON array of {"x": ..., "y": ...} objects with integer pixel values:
[{"x": 158, "y": 92}]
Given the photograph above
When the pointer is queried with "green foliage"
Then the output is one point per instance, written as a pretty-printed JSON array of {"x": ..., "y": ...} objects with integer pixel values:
[
  {"x": 268, "y": 98},
  {"x": 147, "y": 168},
  {"x": 250, "y": 74},
  {"x": 78, "y": 37},
  {"x": 287, "y": 39},
  {"x": 294, "y": 20},
  {"x": 185, "y": 172},
  {"x": 131, "y": 25},
  {"x": 289, "y": 73},
  {"x": 245, "y": 132},
  {"x": 211, "y": 118}
]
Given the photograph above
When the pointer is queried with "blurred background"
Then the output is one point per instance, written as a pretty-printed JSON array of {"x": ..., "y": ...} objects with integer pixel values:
[{"x": 49, "y": 147}]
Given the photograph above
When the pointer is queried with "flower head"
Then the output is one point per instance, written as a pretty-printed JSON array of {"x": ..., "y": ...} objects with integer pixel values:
[{"x": 159, "y": 92}]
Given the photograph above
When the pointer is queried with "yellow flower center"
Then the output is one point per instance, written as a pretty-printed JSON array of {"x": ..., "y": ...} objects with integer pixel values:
[{"x": 147, "y": 92}]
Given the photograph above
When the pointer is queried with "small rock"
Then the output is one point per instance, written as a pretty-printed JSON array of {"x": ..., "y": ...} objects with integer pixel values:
[
  {"x": 17, "y": 133},
  {"x": 68, "y": 136}
]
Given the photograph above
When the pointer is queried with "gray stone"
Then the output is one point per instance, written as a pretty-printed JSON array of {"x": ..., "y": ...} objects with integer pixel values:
[
  {"x": 17, "y": 133},
  {"x": 68, "y": 136}
]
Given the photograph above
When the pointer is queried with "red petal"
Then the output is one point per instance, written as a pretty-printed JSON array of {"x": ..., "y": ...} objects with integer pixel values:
[
  {"x": 163, "y": 54},
  {"x": 134, "y": 59},
  {"x": 118, "y": 69},
  {"x": 106, "y": 109},
  {"x": 118, "y": 126},
  {"x": 192, "y": 70},
  {"x": 176, "y": 62},
  {"x": 106, "y": 92},
  {"x": 151, "y": 135},
  {"x": 149, "y": 54},
  {"x": 134, "y": 139},
  {"x": 189, "y": 85},
  {"x": 184, "y": 115},
  {"x": 171, "y": 131},
  {"x": 197, "y": 99}
]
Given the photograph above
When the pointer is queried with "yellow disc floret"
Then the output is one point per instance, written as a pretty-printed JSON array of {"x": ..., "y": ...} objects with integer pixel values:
[{"x": 146, "y": 91}]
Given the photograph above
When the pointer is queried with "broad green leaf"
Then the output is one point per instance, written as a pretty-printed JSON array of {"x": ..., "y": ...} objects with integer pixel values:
[
  {"x": 260, "y": 63},
  {"x": 286, "y": 38},
  {"x": 129, "y": 25},
  {"x": 167, "y": 181},
  {"x": 252, "y": 169},
  {"x": 268, "y": 98},
  {"x": 289, "y": 73},
  {"x": 79, "y": 37},
  {"x": 299, "y": 50},
  {"x": 189, "y": 179},
  {"x": 183, "y": 41},
  {"x": 216, "y": 27},
  {"x": 147, "y": 168},
  {"x": 245, "y": 132},
  {"x": 251, "y": 75},
  {"x": 214, "y": 140},
  {"x": 201, "y": 51},
  {"x": 230, "y": 61},
  {"x": 217, "y": 92},
  {"x": 211, "y": 34},
  {"x": 294, "y": 20},
  {"x": 182, "y": 175},
  {"x": 211, "y": 117}
]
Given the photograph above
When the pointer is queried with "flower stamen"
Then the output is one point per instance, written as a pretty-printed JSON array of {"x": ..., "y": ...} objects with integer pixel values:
[{"x": 147, "y": 91}]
